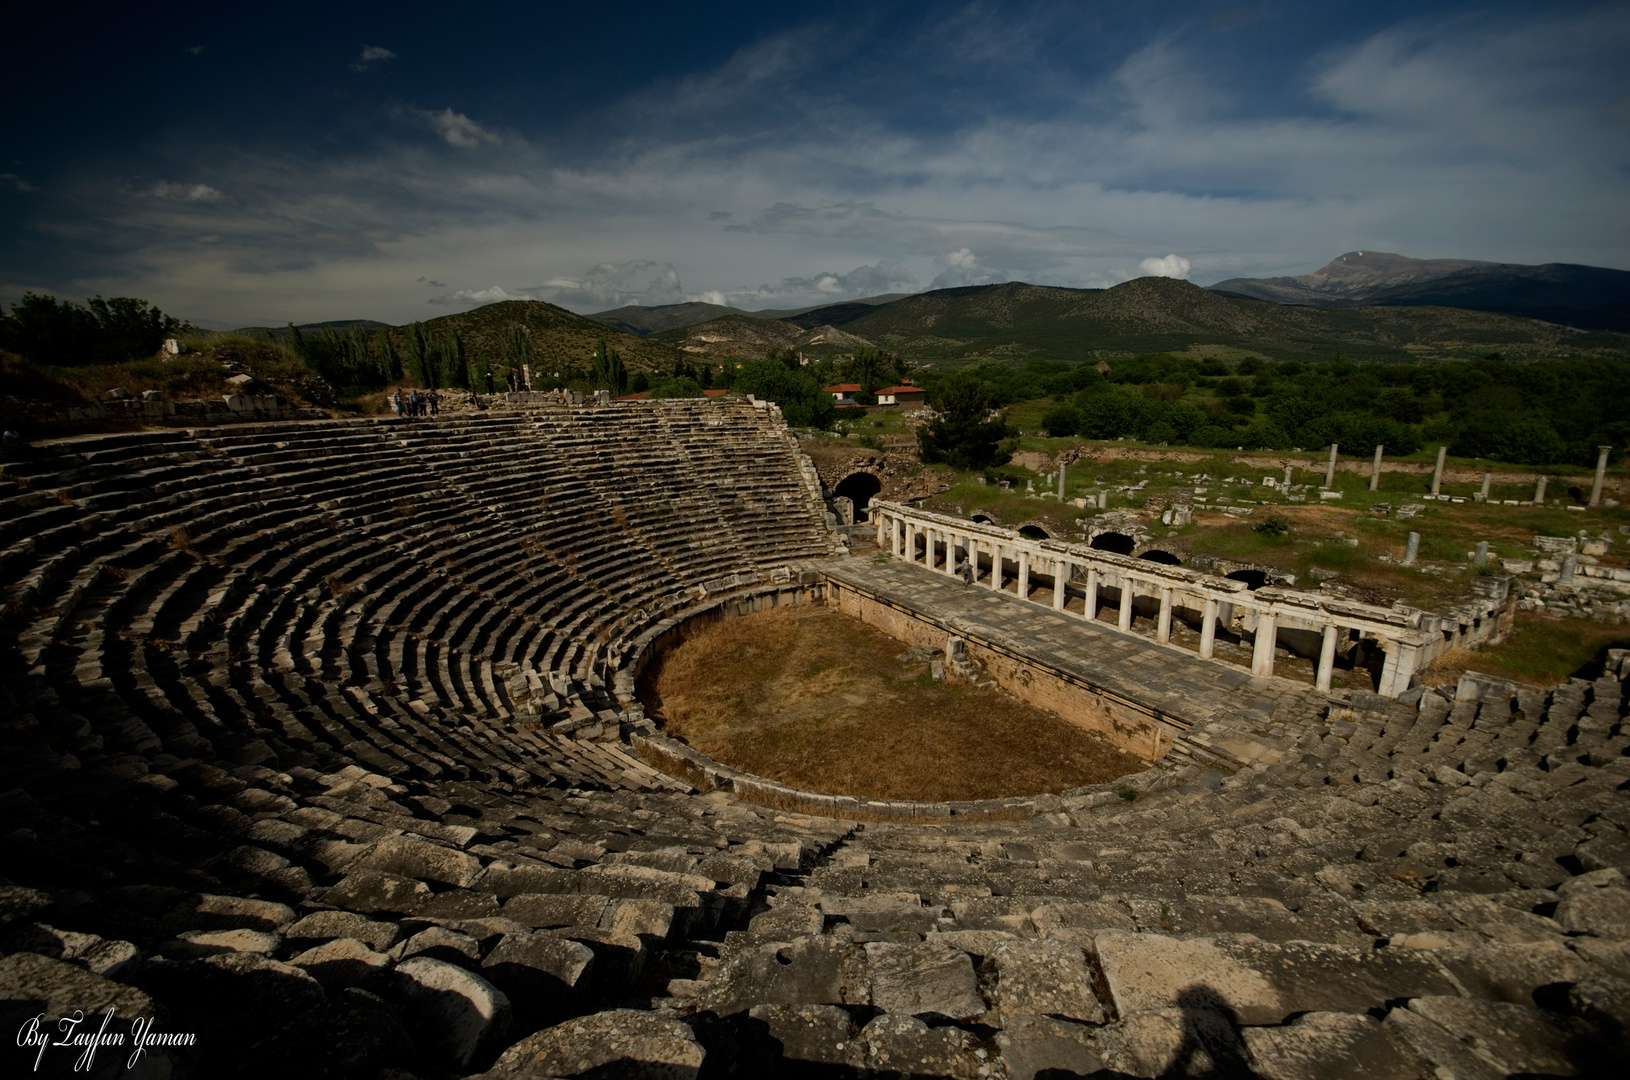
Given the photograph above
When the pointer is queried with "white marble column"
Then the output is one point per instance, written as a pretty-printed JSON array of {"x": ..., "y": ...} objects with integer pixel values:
[
  {"x": 1089, "y": 611},
  {"x": 1061, "y": 575},
  {"x": 1208, "y": 629},
  {"x": 1327, "y": 659},
  {"x": 1266, "y": 634},
  {"x": 1124, "y": 624},
  {"x": 996, "y": 566},
  {"x": 1024, "y": 574},
  {"x": 1163, "y": 628},
  {"x": 896, "y": 541}
]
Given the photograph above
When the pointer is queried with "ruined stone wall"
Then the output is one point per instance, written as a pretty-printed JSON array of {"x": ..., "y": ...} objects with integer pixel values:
[{"x": 1130, "y": 726}]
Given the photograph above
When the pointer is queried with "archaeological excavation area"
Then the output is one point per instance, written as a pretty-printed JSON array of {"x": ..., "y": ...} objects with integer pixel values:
[{"x": 329, "y": 748}]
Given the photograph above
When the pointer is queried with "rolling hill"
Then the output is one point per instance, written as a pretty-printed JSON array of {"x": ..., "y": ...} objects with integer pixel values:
[
  {"x": 1162, "y": 314},
  {"x": 556, "y": 335},
  {"x": 635, "y": 319},
  {"x": 743, "y": 336},
  {"x": 1587, "y": 297}
]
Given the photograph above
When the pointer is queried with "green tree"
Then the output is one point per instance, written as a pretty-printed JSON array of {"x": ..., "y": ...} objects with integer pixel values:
[
  {"x": 608, "y": 372},
  {"x": 1061, "y": 420},
  {"x": 515, "y": 350},
  {"x": 458, "y": 373},
  {"x": 960, "y": 435},
  {"x": 795, "y": 390},
  {"x": 422, "y": 355},
  {"x": 683, "y": 387},
  {"x": 48, "y": 331},
  {"x": 390, "y": 364}
]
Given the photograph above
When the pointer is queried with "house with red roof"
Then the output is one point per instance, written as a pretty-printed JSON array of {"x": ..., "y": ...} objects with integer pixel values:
[{"x": 905, "y": 395}]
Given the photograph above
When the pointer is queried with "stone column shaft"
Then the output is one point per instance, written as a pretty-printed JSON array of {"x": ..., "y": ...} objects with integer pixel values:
[
  {"x": 1330, "y": 469},
  {"x": 996, "y": 566},
  {"x": 896, "y": 541},
  {"x": 1539, "y": 492},
  {"x": 1266, "y": 633},
  {"x": 1488, "y": 478},
  {"x": 1375, "y": 470},
  {"x": 1437, "y": 473},
  {"x": 1163, "y": 628},
  {"x": 1061, "y": 576},
  {"x": 1327, "y": 659},
  {"x": 1412, "y": 549},
  {"x": 1601, "y": 474},
  {"x": 1124, "y": 625},
  {"x": 1208, "y": 629},
  {"x": 1089, "y": 611},
  {"x": 1024, "y": 574}
]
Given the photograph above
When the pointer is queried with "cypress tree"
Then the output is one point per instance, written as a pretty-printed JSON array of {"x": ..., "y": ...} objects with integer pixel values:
[{"x": 390, "y": 364}]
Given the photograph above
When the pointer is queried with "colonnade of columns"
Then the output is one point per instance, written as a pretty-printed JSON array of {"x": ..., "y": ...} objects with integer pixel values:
[{"x": 943, "y": 544}]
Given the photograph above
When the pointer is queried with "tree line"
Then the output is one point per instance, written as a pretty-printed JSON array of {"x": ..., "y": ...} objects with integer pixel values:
[
  {"x": 1540, "y": 413},
  {"x": 60, "y": 333}
]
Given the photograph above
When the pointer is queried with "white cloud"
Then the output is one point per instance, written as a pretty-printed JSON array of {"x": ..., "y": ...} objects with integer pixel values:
[
  {"x": 369, "y": 55},
  {"x": 826, "y": 287},
  {"x": 1482, "y": 136},
  {"x": 476, "y": 297},
  {"x": 17, "y": 183},
  {"x": 459, "y": 130},
  {"x": 1172, "y": 266},
  {"x": 198, "y": 193}
]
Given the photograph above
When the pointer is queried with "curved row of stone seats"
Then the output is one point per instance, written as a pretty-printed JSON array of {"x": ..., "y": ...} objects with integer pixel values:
[
  {"x": 305, "y": 807},
  {"x": 228, "y": 639},
  {"x": 1411, "y": 888}
]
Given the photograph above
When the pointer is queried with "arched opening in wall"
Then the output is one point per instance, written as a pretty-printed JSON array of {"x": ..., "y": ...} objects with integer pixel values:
[
  {"x": 1113, "y": 542},
  {"x": 860, "y": 488},
  {"x": 1165, "y": 558},
  {"x": 981, "y": 519},
  {"x": 1034, "y": 532},
  {"x": 1254, "y": 579}
]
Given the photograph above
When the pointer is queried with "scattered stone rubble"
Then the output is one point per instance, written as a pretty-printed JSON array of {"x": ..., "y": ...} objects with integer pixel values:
[
  {"x": 281, "y": 765},
  {"x": 1566, "y": 578}
]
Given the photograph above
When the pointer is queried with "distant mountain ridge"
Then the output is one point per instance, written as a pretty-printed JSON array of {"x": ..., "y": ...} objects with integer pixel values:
[
  {"x": 1585, "y": 297},
  {"x": 636, "y": 319},
  {"x": 281, "y": 333},
  {"x": 1368, "y": 307},
  {"x": 1018, "y": 320}
]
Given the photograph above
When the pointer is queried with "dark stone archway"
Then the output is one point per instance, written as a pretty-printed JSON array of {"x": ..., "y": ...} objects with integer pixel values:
[
  {"x": 1165, "y": 558},
  {"x": 1254, "y": 579},
  {"x": 982, "y": 519},
  {"x": 860, "y": 488},
  {"x": 1034, "y": 532},
  {"x": 1113, "y": 542}
]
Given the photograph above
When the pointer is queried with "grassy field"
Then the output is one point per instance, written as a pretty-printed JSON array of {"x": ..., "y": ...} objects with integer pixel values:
[
  {"x": 812, "y": 698},
  {"x": 1544, "y": 651},
  {"x": 1352, "y": 537}
]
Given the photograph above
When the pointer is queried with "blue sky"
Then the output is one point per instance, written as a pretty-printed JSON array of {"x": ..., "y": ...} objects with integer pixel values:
[{"x": 250, "y": 165}]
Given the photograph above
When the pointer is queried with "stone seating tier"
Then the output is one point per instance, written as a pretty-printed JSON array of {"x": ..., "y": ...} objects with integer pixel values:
[{"x": 299, "y": 768}]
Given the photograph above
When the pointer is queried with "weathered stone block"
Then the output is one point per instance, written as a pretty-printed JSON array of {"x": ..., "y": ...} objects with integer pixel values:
[
  {"x": 1333, "y": 1046},
  {"x": 622, "y": 1042},
  {"x": 456, "y": 1015},
  {"x": 923, "y": 980},
  {"x": 1044, "y": 978}
]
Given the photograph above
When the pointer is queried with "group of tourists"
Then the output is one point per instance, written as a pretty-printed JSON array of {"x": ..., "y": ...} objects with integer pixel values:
[{"x": 415, "y": 404}]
